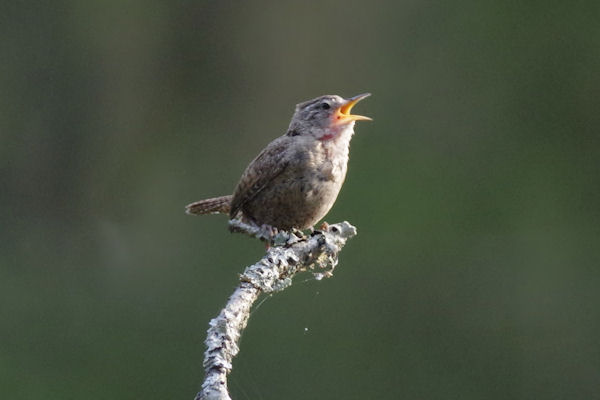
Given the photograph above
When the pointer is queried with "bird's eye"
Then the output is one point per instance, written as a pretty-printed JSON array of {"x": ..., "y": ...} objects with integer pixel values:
[{"x": 325, "y": 106}]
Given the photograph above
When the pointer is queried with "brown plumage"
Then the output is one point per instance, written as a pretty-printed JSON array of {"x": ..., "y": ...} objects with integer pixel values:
[{"x": 295, "y": 180}]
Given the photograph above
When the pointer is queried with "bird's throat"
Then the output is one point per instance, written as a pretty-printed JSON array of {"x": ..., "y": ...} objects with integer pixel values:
[
  {"x": 328, "y": 136},
  {"x": 338, "y": 131}
]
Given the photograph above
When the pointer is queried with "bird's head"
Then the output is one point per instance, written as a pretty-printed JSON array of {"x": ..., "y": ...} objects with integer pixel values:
[{"x": 325, "y": 117}]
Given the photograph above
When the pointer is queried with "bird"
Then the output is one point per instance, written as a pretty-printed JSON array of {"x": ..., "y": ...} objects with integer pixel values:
[{"x": 294, "y": 181}]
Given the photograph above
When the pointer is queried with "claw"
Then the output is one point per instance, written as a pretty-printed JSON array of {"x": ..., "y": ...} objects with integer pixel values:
[{"x": 268, "y": 232}]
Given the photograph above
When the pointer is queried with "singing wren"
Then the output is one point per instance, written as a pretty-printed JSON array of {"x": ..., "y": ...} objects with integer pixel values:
[{"x": 295, "y": 180}]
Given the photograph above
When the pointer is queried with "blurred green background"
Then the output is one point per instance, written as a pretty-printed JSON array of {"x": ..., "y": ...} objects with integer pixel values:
[{"x": 476, "y": 193}]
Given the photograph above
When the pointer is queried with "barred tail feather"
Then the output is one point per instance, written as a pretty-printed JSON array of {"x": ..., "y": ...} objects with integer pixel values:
[{"x": 216, "y": 205}]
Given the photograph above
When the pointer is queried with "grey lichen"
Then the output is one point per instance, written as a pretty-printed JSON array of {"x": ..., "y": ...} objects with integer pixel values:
[{"x": 291, "y": 253}]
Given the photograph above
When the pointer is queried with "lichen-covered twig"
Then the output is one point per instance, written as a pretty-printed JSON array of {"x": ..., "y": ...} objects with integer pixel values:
[{"x": 274, "y": 272}]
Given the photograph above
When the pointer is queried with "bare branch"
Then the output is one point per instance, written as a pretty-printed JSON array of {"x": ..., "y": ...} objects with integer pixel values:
[{"x": 291, "y": 254}]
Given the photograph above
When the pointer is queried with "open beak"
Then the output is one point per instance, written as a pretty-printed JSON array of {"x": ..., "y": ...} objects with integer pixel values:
[{"x": 343, "y": 113}]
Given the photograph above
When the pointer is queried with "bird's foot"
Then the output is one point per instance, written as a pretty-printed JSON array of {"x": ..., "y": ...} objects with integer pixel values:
[
  {"x": 324, "y": 227},
  {"x": 300, "y": 234},
  {"x": 267, "y": 233},
  {"x": 263, "y": 232}
]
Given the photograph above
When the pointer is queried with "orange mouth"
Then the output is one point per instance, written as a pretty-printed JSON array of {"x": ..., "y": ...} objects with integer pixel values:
[{"x": 343, "y": 113}]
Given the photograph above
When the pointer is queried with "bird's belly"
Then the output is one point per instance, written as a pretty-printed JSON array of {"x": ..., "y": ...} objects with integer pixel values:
[{"x": 295, "y": 201}]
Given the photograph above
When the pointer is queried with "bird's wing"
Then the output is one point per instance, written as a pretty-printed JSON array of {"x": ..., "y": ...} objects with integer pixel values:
[{"x": 269, "y": 164}]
